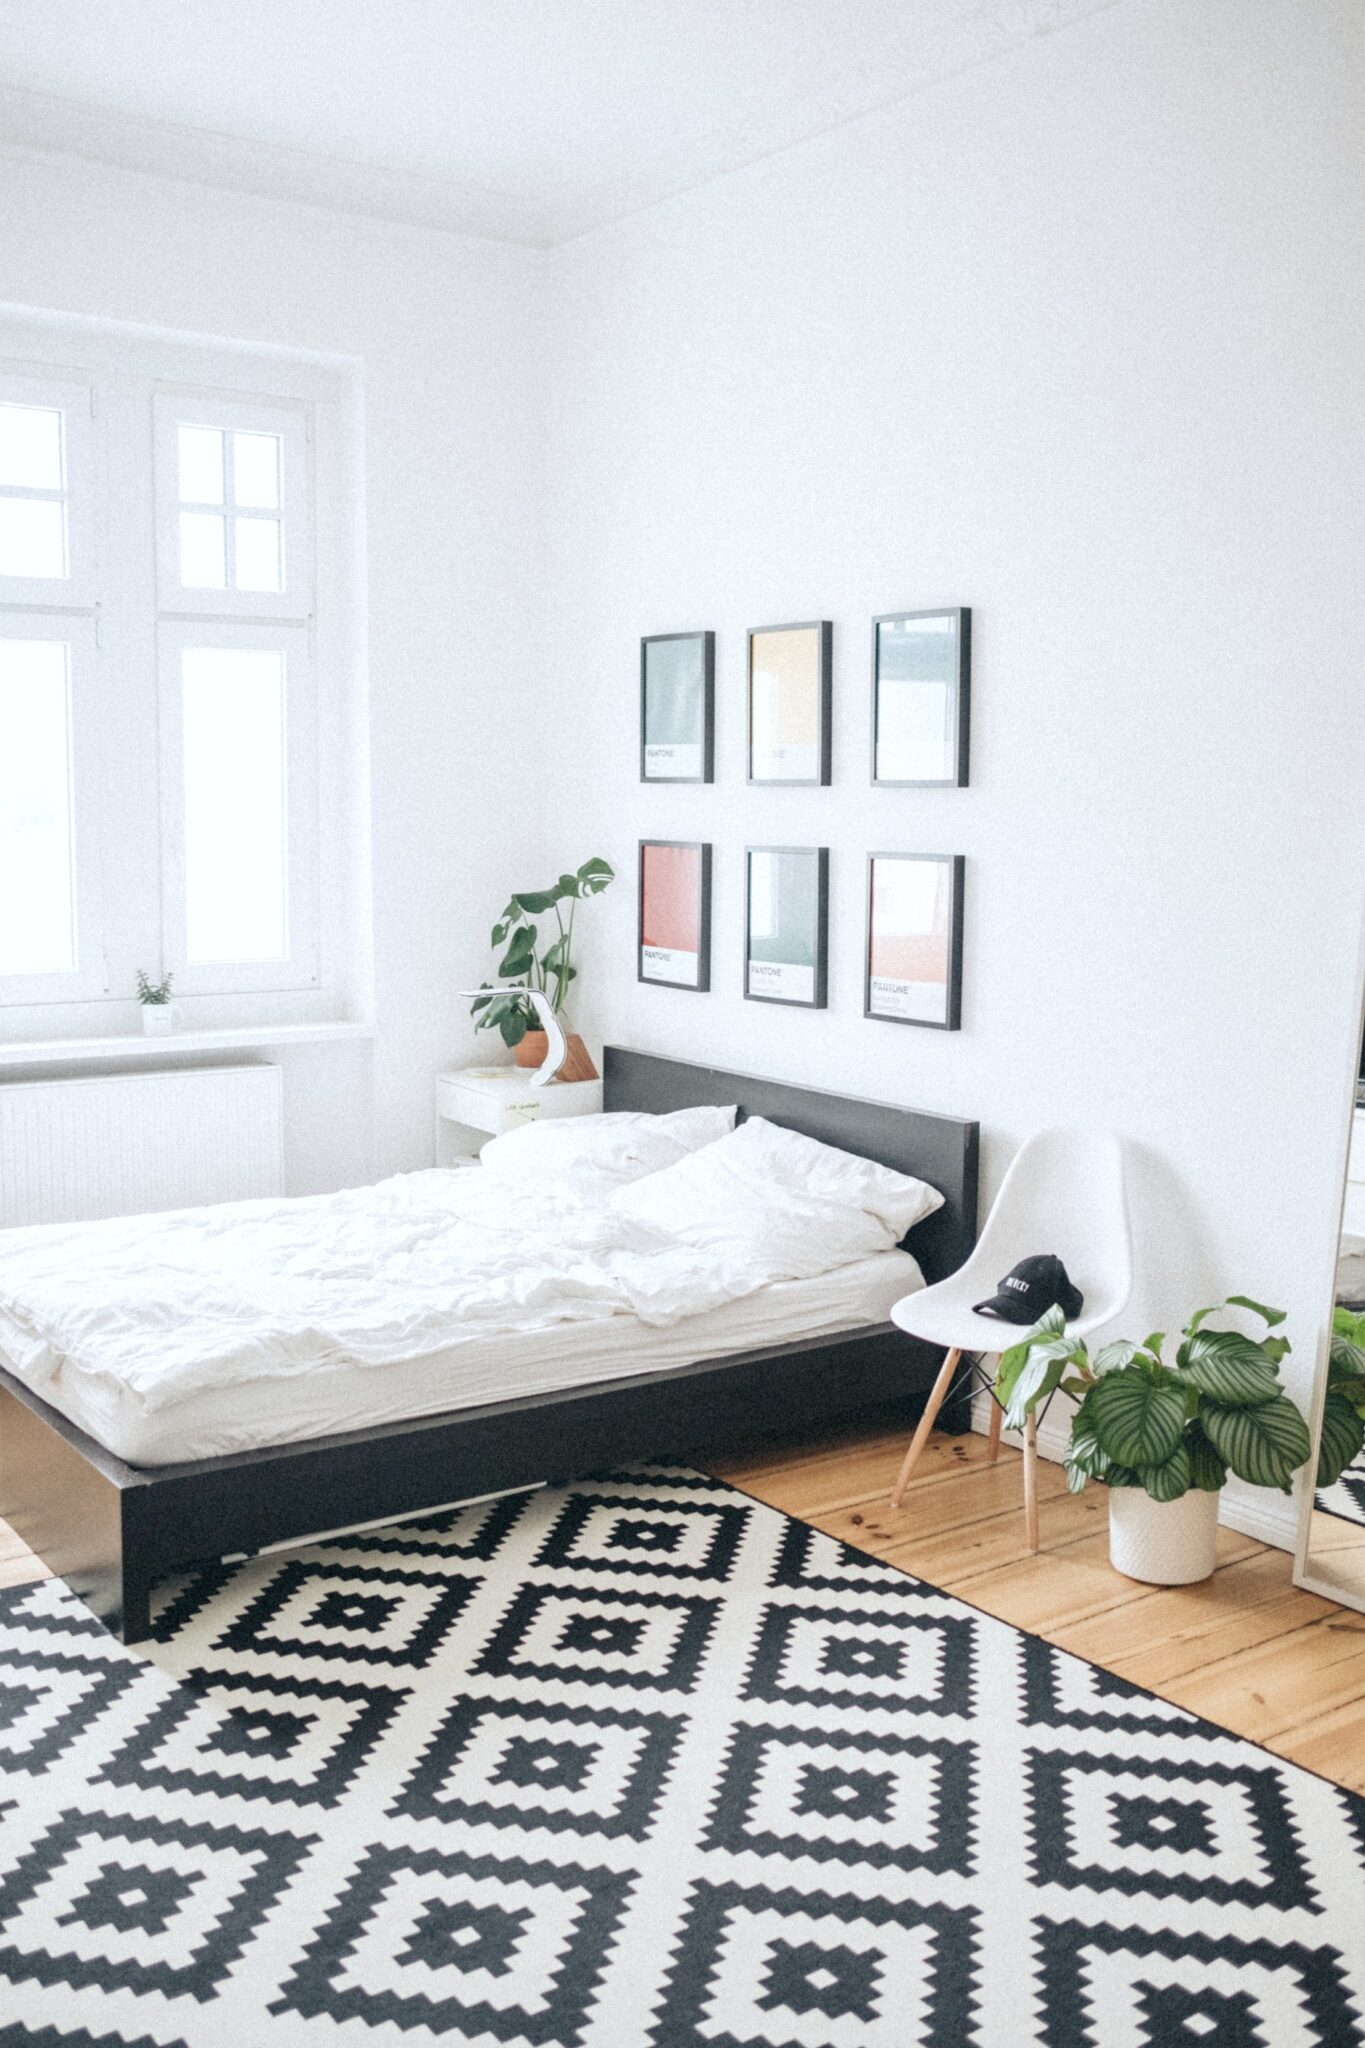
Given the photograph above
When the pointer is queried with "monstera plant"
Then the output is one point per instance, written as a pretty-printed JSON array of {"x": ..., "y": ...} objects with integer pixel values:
[
  {"x": 533, "y": 961},
  {"x": 1343, "y": 1407},
  {"x": 1166, "y": 1424}
]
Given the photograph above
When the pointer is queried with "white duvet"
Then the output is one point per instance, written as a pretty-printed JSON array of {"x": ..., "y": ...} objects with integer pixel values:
[{"x": 167, "y": 1305}]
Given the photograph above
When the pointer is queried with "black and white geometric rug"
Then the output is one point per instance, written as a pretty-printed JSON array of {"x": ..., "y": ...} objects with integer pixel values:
[
  {"x": 1346, "y": 1498},
  {"x": 638, "y": 1764}
]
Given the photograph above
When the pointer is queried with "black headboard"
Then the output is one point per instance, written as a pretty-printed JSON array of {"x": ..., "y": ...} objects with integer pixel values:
[{"x": 939, "y": 1149}]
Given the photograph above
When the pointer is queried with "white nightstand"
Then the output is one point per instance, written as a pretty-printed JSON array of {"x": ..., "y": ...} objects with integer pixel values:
[{"x": 474, "y": 1103}]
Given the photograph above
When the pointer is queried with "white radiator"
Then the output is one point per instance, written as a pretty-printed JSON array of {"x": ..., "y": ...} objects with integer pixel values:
[{"x": 123, "y": 1144}]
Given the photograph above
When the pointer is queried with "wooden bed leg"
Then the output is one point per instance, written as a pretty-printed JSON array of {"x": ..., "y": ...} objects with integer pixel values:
[
  {"x": 1031, "y": 1481},
  {"x": 935, "y": 1401},
  {"x": 993, "y": 1432}
]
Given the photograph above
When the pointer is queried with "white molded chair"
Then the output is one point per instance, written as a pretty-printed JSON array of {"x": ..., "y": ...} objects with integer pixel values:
[{"x": 1064, "y": 1194}]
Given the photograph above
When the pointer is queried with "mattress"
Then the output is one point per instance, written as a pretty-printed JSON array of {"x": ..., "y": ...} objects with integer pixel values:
[{"x": 250, "y": 1414}]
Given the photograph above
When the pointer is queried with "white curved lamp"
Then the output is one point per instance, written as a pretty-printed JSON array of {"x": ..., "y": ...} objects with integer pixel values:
[{"x": 557, "y": 1050}]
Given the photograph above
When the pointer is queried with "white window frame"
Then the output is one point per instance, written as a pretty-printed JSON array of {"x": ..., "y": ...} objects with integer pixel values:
[
  {"x": 86, "y": 729},
  {"x": 75, "y": 401},
  {"x": 172, "y": 410},
  {"x": 301, "y": 967}
]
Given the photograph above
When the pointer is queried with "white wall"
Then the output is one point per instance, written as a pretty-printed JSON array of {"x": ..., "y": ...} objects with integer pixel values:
[
  {"x": 446, "y": 330},
  {"x": 1073, "y": 339}
]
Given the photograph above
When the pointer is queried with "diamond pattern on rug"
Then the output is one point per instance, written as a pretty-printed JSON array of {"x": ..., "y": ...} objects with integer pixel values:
[
  {"x": 477, "y": 1948},
  {"x": 1345, "y": 1498},
  {"x": 596, "y": 1771},
  {"x": 687, "y": 1539},
  {"x": 249, "y": 1735},
  {"x": 468, "y": 1782}
]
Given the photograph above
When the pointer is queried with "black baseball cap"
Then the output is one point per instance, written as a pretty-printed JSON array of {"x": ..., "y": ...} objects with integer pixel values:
[{"x": 1030, "y": 1289}]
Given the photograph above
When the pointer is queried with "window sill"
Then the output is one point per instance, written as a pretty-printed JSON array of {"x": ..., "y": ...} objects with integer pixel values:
[{"x": 48, "y": 1052}]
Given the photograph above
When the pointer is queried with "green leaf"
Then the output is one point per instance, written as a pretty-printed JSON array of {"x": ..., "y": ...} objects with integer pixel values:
[
  {"x": 1112, "y": 1357},
  {"x": 1269, "y": 1316},
  {"x": 1138, "y": 1420},
  {"x": 1230, "y": 1369},
  {"x": 1040, "y": 1376},
  {"x": 1264, "y": 1445},
  {"x": 1350, "y": 1389},
  {"x": 1168, "y": 1480},
  {"x": 1275, "y": 1348},
  {"x": 1075, "y": 1479},
  {"x": 1343, "y": 1434},
  {"x": 594, "y": 875},
  {"x": 499, "y": 932},
  {"x": 533, "y": 901},
  {"x": 1207, "y": 1469},
  {"x": 513, "y": 1028}
]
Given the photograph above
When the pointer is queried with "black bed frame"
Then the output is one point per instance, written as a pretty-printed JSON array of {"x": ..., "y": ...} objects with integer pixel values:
[{"x": 111, "y": 1530}]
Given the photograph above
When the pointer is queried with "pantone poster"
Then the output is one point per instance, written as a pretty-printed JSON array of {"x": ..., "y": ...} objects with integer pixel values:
[
  {"x": 674, "y": 914},
  {"x": 788, "y": 683},
  {"x": 916, "y": 698},
  {"x": 788, "y": 893},
  {"x": 676, "y": 688},
  {"x": 912, "y": 908}
]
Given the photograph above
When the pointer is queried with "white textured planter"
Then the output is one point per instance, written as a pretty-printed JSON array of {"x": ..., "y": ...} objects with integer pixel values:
[
  {"x": 158, "y": 1020},
  {"x": 1164, "y": 1543}
]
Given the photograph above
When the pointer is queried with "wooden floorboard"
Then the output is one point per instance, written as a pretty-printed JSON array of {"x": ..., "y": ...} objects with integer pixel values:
[{"x": 1247, "y": 1649}]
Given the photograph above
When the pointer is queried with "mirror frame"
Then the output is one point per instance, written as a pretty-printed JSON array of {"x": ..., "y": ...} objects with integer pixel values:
[{"x": 1303, "y": 1573}]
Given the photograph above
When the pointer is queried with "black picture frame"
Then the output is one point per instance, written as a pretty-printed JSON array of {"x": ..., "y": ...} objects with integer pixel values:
[
  {"x": 702, "y": 984},
  {"x": 705, "y": 741},
  {"x": 955, "y": 866},
  {"x": 824, "y": 706},
  {"x": 817, "y": 933},
  {"x": 957, "y": 715}
]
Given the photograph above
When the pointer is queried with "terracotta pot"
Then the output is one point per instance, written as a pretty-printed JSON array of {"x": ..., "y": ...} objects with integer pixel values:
[{"x": 531, "y": 1050}]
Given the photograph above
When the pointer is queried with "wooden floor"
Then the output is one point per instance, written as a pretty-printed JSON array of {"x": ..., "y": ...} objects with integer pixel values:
[{"x": 1247, "y": 1649}]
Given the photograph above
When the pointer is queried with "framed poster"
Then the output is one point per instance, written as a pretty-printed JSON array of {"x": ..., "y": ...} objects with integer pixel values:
[
  {"x": 914, "y": 939},
  {"x": 921, "y": 696},
  {"x": 786, "y": 925},
  {"x": 675, "y": 913},
  {"x": 790, "y": 669},
  {"x": 677, "y": 707}
]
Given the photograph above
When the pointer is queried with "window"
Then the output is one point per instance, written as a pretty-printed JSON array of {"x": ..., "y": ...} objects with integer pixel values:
[{"x": 168, "y": 719}]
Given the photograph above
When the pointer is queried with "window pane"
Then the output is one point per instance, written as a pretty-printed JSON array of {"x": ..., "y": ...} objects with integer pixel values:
[
  {"x": 201, "y": 466},
  {"x": 37, "y": 921},
  {"x": 235, "y": 835},
  {"x": 31, "y": 447},
  {"x": 256, "y": 470},
  {"x": 203, "y": 559},
  {"x": 257, "y": 545},
  {"x": 32, "y": 537}
]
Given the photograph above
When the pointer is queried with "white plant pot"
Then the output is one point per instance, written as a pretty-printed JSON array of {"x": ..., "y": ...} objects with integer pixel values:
[
  {"x": 1163, "y": 1543},
  {"x": 158, "y": 1020}
]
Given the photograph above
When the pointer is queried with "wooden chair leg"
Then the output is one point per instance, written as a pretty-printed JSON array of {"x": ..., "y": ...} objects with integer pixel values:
[
  {"x": 993, "y": 1432},
  {"x": 926, "y": 1422},
  {"x": 1031, "y": 1481}
]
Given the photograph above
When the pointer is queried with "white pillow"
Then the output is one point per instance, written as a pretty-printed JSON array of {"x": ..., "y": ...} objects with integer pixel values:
[
  {"x": 812, "y": 1208},
  {"x": 788, "y": 1159},
  {"x": 622, "y": 1145}
]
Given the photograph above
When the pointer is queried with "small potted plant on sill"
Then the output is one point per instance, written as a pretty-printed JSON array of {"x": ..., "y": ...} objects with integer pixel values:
[
  {"x": 1162, "y": 1434},
  {"x": 549, "y": 967},
  {"x": 158, "y": 1011}
]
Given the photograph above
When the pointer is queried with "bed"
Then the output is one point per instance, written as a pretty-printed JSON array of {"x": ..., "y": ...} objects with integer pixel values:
[{"x": 806, "y": 1351}]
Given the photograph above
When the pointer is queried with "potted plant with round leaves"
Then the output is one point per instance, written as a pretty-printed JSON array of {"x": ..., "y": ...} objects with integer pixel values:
[
  {"x": 1342, "y": 1437},
  {"x": 1163, "y": 1433},
  {"x": 546, "y": 964}
]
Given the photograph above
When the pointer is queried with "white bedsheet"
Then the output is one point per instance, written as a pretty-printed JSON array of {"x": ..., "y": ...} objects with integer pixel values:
[
  {"x": 245, "y": 1416},
  {"x": 142, "y": 1315}
]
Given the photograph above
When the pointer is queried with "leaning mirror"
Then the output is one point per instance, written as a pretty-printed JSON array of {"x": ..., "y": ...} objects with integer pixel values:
[{"x": 1331, "y": 1556}]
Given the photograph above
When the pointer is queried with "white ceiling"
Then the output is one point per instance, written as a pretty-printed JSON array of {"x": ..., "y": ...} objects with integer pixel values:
[{"x": 529, "y": 120}]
